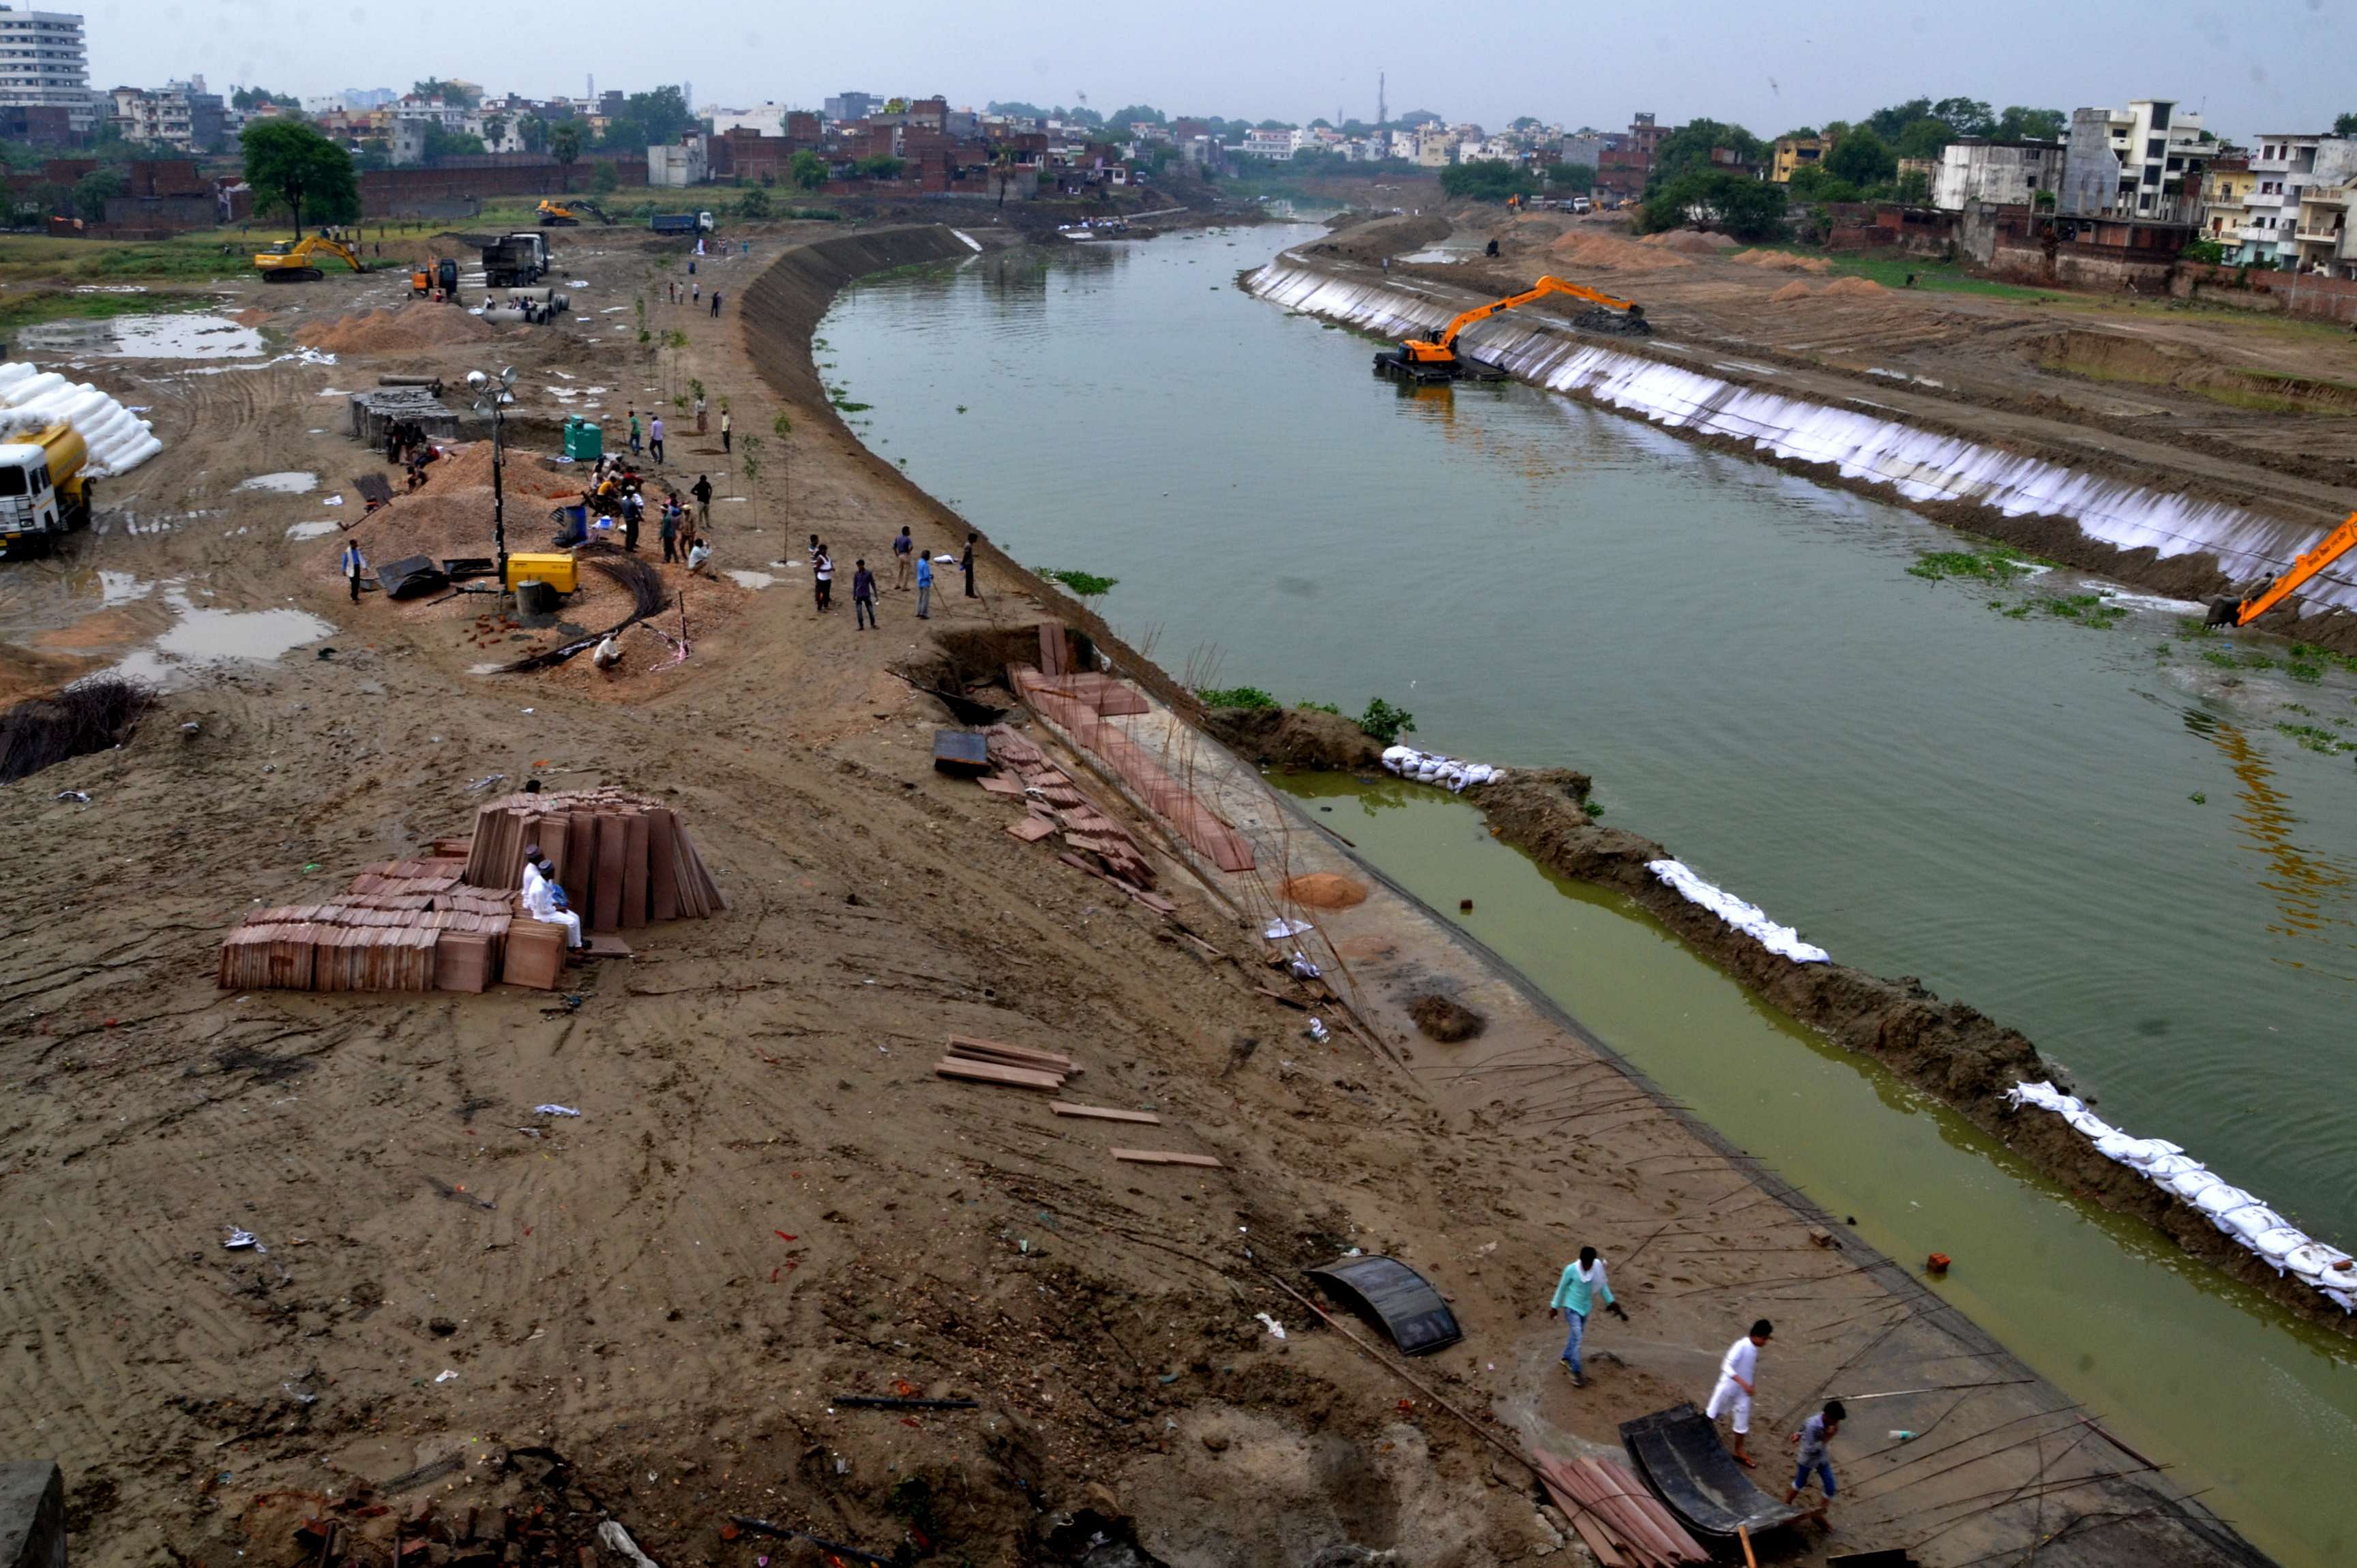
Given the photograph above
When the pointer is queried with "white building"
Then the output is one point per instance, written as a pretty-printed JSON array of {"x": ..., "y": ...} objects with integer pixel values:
[
  {"x": 2296, "y": 213},
  {"x": 2002, "y": 174},
  {"x": 43, "y": 64},
  {"x": 677, "y": 167},
  {"x": 1435, "y": 147},
  {"x": 1278, "y": 145},
  {"x": 768, "y": 119},
  {"x": 2141, "y": 162}
]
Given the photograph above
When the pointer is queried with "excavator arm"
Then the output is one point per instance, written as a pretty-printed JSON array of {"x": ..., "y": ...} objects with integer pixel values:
[
  {"x": 2331, "y": 548},
  {"x": 1442, "y": 348}
]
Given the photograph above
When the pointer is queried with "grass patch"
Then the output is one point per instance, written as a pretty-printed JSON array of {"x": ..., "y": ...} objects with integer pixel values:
[
  {"x": 2316, "y": 737},
  {"x": 1997, "y": 563},
  {"x": 19, "y": 310},
  {"x": 1087, "y": 585},
  {"x": 2087, "y": 609},
  {"x": 1234, "y": 696},
  {"x": 1939, "y": 277},
  {"x": 212, "y": 253}
]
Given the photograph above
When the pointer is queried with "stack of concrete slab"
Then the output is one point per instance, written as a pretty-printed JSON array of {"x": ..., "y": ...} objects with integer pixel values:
[
  {"x": 623, "y": 861},
  {"x": 400, "y": 924},
  {"x": 1054, "y": 803}
]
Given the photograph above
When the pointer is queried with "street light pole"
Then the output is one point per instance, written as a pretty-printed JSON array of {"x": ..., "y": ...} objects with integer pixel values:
[{"x": 491, "y": 397}]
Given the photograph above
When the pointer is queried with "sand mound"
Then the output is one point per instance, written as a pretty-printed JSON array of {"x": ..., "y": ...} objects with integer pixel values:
[
  {"x": 1325, "y": 890},
  {"x": 406, "y": 328},
  {"x": 1794, "y": 290},
  {"x": 1609, "y": 253},
  {"x": 464, "y": 466},
  {"x": 1853, "y": 286},
  {"x": 1780, "y": 262},
  {"x": 1689, "y": 242}
]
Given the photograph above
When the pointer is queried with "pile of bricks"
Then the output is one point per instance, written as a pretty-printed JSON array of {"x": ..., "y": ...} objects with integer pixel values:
[
  {"x": 622, "y": 860},
  {"x": 404, "y": 925}
]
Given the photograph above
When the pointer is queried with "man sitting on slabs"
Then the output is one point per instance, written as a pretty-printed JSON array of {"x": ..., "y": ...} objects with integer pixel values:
[
  {"x": 543, "y": 900},
  {"x": 1738, "y": 1370},
  {"x": 1815, "y": 1434}
]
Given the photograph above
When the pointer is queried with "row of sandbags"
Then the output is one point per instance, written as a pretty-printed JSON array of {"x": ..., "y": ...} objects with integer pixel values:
[
  {"x": 118, "y": 439},
  {"x": 1451, "y": 773},
  {"x": 2242, "y": 1218},
  {"x": 1744, "y": 916}
]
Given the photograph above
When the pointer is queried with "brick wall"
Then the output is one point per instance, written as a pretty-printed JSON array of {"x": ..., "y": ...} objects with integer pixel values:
[
  {"x": 2324, "y": 299},
  {"x": 386, "y": 193}
]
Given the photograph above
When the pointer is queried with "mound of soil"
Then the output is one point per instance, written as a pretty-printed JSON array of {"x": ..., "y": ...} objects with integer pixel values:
[
  {"x": 408, "y": 329},
  {"x": 1325, "y": 890},
  {"x": 1378, "y": 237},
  {"x": 1794, "y": 290},
  {"x": 1780, "y": 262},
  {"x": 1847, "y": 286},
  {"x": 1295, "y": 737},
  {"x": 1446, "y": 1019},
  {"x": 1689, "y": 242},
  {"x": 1610, "y": 252}
]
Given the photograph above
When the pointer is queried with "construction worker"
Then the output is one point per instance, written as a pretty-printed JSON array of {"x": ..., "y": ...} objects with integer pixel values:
[
  {"x": 726, "y": 427},
  {"x": 924, "y": 587},
  {"x": 1739, "y": 1374},
  {"x": 354, "y": 564},
  {"x": 702, "y": 491}
]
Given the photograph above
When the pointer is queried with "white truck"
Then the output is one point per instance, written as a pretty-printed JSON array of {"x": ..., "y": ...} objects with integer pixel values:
[{"x": 45, "y": 490}]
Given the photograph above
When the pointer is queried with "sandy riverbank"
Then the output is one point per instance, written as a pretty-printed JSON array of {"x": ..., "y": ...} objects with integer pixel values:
[{"x": 768, "y": 1200}]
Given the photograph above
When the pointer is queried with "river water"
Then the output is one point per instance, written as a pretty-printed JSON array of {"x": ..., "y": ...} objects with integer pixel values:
[{"x": 2138, "y": 846}]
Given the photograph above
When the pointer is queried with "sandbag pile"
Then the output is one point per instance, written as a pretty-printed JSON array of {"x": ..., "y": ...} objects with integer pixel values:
[
  {"x": 623, "y": 861},
  {"x": 1744, "y": 916},
  {"x": 403, "y": 925},
  {"x": 2242, "y": 1218},
  {"x": 119, "y": 440},
  {"x": 1431, "y": 767}
]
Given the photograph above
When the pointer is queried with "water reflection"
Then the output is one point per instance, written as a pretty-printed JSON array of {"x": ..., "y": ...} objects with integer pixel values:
[{"x": 2305, "y": 884}]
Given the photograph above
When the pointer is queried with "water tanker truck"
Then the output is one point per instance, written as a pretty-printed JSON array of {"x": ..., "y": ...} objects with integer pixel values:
[{"x": 45, "y": 490}]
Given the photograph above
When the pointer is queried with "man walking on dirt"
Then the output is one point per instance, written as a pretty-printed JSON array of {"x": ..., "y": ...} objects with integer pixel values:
[
  {"x": 924, "y": 587},
  {"x": 654, "y": 437},
  {"x": 1739, "y": 1371},
  {"x": 715, "y": 304},
  {"x": 1577, "y": 1294},
  {"x": 726, "y": 443},
  {"x": 702, "y": 491},
  {"x": 863, "y": 596},
  {"x": 634, "y": 432},
  {"x": 354, "y": 564},
  {"x": 965, "y": 565},
  {"x": 823, "y": 576}
]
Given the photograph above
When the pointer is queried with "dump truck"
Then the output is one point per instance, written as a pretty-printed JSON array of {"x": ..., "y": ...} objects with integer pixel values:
[
  {"x": 45, "y": 490},
  {"x": 514, "y": 261},
  {"x": 680, "y": 222}
]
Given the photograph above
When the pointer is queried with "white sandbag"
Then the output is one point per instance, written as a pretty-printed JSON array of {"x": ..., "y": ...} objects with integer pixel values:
[
  {"x": 1748, "y": 918},
  {"x": 2223, "y": 1200},
  {"x": 2190, "y": 1185}
]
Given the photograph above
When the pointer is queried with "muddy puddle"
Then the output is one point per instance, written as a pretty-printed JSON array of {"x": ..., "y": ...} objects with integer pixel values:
[
  {"x": 201, "y": 635},
  {"x": 156, "y": 337}
]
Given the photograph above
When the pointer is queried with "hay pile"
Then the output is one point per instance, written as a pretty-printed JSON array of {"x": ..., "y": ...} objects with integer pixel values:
[
  {"x": 1609, "y": 253},
  {"x": 1790, "y": 291},
  {"x": 1847, "y": 286},
  {"x": 412, "y": 327}
]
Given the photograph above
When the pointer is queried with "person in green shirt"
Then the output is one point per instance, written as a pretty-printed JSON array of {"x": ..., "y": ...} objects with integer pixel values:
[{"x": 1578, "y": 1293}]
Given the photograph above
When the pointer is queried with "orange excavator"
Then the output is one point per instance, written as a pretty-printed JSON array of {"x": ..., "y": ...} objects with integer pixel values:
[
  {"x": 2231, "y": 611},
  {"x": 1437, "y": 358}
]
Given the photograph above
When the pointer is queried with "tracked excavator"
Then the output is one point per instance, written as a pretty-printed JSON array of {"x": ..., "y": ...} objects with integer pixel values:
[
  {"x": 568, "y": 213},
  {"x": 2232, "y": 611},
  {"x": 1419, "y": 359},
  {"x": 290, "y": 260}
]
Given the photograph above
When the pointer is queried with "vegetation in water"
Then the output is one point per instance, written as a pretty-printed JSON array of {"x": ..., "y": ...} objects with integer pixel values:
[
  {"x": 1087, "y": 585},
  {"x": 2316, "y": 737},
  {"x": 2087, "y": 609},
  {"x": 1997, "y": 563},
  {"x": 1235, "y": 697},
  {"x": 1384, "y": 721},
  {"x": 1593, "y": 808},
  {"x": 2198, "y": 799}
]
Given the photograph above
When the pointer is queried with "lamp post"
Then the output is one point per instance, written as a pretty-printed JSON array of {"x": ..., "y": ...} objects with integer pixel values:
[{"x": 491, "y": 397}]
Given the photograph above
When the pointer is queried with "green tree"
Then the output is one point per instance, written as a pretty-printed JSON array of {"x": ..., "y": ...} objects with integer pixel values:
[
  {"x": 447, "y": 91},
  {"x": 2346, "y": 126},
  {"x": 290, "y": 164},
  {"x": 443, "y": 142},
  {"x": 249, "y": 98},
  {"x": 1924, "y": 138},
  {"x": 753, "y": 204},
  {"x": 1966, "y": 116},
  {"x": 1486, "y": 180},
  {"x": 808, "y": 171},
  {"x": 1913, "y": 189},
  {"x": 1576, "y": 178},
  {"x": 1690, "y": 147},
  {"x": 534, "y": 132},
  {"x": 650, "y": 119},
  {"x": 2020, "y": 124},
  {"x": 1862, "y": 158},
  {"x": 1811, "y": 183},
  {"x": 1135, "y": 113},
  {"x": 1889, "y": 122},
  {"x": 603, "y": 180},
  {"x": 883, "y": 166},
  {"x": 564, "y": 145},
  {"x": 91, "y": 191},
  {"x": 1719, "y": 199}
]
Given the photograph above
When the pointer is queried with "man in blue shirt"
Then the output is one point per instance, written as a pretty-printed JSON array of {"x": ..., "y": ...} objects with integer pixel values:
[
  {"x": 1811, "y": 1444},
  {"x": 1577, "y": 1294},
  {"x": 924, "y": 587}
]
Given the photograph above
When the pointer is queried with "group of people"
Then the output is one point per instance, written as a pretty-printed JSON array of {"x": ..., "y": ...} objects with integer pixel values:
[
  {"x": 910, "y": 566},
  {"x": 617, "y": 494},
  {"x": 1583, "y": 1289},
  {"x": 653, "y": 435}
]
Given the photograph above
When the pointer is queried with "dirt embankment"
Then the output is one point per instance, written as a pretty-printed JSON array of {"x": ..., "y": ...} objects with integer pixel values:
[
  {"x": 1294, "y": 738},
  {"x": 1372, "y": 239},
  {"x": 1943, "y": 1047}
]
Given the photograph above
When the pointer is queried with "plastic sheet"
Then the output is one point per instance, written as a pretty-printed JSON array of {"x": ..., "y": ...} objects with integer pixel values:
[{"x": 2239, "y": 1217}]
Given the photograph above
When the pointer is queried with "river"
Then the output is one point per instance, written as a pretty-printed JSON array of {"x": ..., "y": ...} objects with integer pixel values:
[{"x": 2137, "y": 846}]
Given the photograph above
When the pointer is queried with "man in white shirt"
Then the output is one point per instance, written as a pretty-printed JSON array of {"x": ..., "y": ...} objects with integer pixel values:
[
  {"x": 1738, "y": 1371},
  {"x": 540, "y": 899}
]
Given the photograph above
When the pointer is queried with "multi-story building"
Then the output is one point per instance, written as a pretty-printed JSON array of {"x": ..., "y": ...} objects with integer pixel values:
[
  {"x": 2288, "y": 214},
  {"x": 1999, "y": 174},
  {"x": 1270, "y": 144},
  {"x": 768, "y": 120},
  {"x": 1794, "y": 154},
  {"x": 679, "y": 165},
  {"x": 2322, "y": 238},
  {"x": 43, "y": 63},
  {"x": 1584, "y": 148},
  {"x": 847, "y": 106},
  {"x": 2143, "y": 163},
  {"x": 2226, "y": 187},
  {"x": 181, "y": 115}
]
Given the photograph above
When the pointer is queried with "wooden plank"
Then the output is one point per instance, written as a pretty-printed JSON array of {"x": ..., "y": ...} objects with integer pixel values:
[
  {"x": 1020, "y": 1056},
  {"x": 663, "y": 877},
  {"x": 612, "y": 846},
  {"x": 1032, "y": 830},
  {"x": 1104, "y": 1113},
  {"x": 1163, "y": 1157},
  {"x": 634, "y": 870},
  {"x": 998, "y": 1072}
]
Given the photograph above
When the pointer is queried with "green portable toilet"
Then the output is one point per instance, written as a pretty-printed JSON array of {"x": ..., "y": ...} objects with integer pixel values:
[{"x": 583, "y": 442}]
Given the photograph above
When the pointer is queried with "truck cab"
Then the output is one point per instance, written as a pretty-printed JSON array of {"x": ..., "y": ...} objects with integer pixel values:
[{"x": 43, "y": 492}]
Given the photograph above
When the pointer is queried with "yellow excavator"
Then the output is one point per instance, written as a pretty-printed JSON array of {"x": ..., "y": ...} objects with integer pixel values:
[
  {"x": 289, "y": 261},
  {"x": 2232, "y": 611},
  {"x": 568, "y": 213},
  {"x": 1437, "y": 358}
]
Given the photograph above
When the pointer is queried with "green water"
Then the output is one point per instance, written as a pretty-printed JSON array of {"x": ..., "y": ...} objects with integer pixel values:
[{"x": 1942, "y": 778}]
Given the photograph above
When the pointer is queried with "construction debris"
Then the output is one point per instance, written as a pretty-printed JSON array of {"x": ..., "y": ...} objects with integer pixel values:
[
  {"x": 1104, "y": 1113},
  {"x": 1017, "y": 1066},
  {"x": 1623, "y": 1523},
  {"x": 1163, "y": 1157}
]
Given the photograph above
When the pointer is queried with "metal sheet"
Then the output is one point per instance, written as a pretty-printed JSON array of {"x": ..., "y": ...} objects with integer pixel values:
[
  {"x": 1678, "y": 1453},
  {"x": 1410, "y": 1310}
]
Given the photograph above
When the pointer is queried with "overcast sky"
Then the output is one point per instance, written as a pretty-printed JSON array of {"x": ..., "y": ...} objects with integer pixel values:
[{"x": 2286, "y": 68}]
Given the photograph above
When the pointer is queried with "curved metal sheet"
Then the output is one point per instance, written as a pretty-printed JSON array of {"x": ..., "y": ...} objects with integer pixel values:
[
  {"x": 1396, "y": 1296},
  {"x": 1678, "y": 1453}
]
